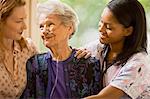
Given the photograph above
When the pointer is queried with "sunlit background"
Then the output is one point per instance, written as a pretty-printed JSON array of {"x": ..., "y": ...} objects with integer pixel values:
[{"x": 89, "y": 12}]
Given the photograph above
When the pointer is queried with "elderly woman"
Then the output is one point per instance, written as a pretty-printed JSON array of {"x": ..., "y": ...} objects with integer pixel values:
[{"x": 57, "y": 74}]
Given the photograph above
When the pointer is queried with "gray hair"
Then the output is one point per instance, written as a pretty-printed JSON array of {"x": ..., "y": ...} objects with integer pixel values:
[{"x": 66, "y": 13}]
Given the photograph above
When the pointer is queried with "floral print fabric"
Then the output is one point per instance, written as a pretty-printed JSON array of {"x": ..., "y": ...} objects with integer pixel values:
[
  {"x": 133, "y": 78},
  {"x": 81, "y": 77},
  {"x": 12, "y": 85}
]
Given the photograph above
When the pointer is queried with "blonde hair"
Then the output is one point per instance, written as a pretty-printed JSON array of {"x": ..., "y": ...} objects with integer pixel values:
[
  {"x": 6, "y": 7},
  {"x": 64, "y": 11}
]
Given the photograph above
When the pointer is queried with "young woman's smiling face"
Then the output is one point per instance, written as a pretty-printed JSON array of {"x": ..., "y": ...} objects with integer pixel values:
[
  {"x": 111, "y": 31},
  {"x": 14, "y": 25}
]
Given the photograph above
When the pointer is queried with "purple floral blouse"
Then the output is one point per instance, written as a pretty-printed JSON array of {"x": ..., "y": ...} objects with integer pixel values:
[{"x": 81, "y": 77}]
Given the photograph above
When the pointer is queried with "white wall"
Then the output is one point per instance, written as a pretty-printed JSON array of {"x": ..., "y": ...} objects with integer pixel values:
[{"x": 32, "y": 24}]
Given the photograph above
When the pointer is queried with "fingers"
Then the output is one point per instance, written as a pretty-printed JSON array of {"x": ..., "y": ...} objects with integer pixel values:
[
  {"x": 82, "y": 53},
  {"x": 79, "y": 51},
  {"x": 87, "y": 55}
]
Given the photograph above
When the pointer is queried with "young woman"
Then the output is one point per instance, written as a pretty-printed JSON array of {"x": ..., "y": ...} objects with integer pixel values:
[
  {"x": 57, "y": 74},
  {"x": 14, "y": 49},
  {"x": 123, "y": 51}
]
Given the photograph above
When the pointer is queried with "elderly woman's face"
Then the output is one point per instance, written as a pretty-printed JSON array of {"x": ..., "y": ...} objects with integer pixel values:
[{"x": 53, "y": 31}]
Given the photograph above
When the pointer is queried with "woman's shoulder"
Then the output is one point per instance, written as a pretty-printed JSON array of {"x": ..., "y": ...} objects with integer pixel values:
[
  {"x": 140, "y": 57},
  {"x": 90, "y": 60},
  {"x": 137, "y": 64},
  {"x": 83, "y": 60},
  {"x": 134, "y": 75},
  {"x": 38, "y": 57},
  {"x": 29, "y": 42},
  {"x": 95, "y": 47},
  {"x": 37, "y": 62},
  {"x": 32, "y": 48}
]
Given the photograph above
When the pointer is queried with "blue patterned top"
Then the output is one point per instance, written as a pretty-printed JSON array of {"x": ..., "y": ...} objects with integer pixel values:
[{"x": 81, "y": 77}]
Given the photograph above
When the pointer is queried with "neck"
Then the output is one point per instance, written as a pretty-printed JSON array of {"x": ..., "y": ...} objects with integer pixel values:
[
  {"x": 8, "y": 44},
  {"x": 117, "y": 47},
  {"x": 61, "y": 52},
  {"x": 115, "y": 50}
]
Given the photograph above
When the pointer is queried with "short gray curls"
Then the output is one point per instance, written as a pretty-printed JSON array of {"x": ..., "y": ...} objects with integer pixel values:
[{"x": 66, "y": 13}]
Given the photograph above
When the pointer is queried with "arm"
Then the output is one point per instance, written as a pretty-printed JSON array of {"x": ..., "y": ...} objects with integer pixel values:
[
  {"x": 32, "y": 47},
  {"x": 29, "y": 91},
  {"x": 131, "y": 81},
  {"x": 37, "y": 78},
  {"x": 108, "y": 92}
]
